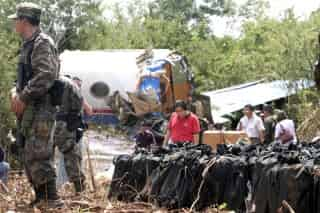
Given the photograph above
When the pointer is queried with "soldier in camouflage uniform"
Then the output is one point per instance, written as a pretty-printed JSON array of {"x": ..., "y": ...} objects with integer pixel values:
[
  {"x": 37, "y": 71},
  {"x": 65, "y": 138}
]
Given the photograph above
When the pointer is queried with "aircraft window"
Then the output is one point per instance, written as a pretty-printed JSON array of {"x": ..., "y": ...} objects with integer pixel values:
[{"x": 99, "y": 89}]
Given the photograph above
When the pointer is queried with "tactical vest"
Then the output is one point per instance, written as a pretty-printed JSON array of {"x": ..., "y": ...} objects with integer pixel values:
[
  {"x": 24, "y": 72},
  {"x": 71, "y": 105}
]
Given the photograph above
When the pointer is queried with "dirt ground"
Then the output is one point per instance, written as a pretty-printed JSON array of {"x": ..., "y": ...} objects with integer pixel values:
[{"x": 17, "y": 195}]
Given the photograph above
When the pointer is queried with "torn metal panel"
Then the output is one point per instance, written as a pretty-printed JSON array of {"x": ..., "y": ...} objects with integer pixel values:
[
  {"x": 107, "y": 73},
  {"x": 228, "y": 100}
]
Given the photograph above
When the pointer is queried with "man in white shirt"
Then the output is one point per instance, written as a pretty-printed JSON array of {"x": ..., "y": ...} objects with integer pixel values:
[{"x": 252, "y": 125}]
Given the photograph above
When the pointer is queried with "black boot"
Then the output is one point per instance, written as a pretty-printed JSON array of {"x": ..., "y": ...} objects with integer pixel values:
[
  {"x": 40, "y": 195},
  {"x": 79, "y": 185},
  {"x": 52, "y": 197}
]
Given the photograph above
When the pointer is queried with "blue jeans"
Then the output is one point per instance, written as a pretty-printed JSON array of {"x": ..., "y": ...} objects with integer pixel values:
[{"x": 4, "y": 170}]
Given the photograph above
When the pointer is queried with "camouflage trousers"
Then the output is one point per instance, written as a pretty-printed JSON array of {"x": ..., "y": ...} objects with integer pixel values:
[
  {"x": 38, "y": 128},
  {"x": 71, "y": 151}
]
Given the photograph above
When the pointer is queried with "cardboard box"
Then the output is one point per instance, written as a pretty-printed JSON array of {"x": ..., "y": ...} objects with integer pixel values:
[{"x": 215, "y": 137}]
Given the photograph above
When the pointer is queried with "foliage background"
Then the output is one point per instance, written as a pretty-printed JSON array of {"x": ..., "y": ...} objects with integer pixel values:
[{"x": 267, "y": 48}]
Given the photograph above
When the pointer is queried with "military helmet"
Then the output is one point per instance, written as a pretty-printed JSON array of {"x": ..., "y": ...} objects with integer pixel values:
[{"x": 27, "y": 9}]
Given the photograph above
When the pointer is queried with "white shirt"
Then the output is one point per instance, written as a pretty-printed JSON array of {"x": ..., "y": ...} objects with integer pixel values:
[
  {"x": 252, "y": 126},
  {"x": 288, "y": 125}
]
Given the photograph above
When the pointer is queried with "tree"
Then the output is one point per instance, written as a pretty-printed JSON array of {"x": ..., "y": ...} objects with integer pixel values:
[
  {"x": 62, "y": 19},
  {"x": 8, "y": 51},
  {"x": 253, "y": 9},
  {"x": 266, "y": 49},
  {"x": 218, "y": 7},
  {"x": 184, "y": 10},
  {"x": 190, "y": 10}
]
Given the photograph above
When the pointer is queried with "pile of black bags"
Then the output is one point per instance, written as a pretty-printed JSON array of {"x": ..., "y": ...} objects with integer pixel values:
[{"x": 240, "y": 176}]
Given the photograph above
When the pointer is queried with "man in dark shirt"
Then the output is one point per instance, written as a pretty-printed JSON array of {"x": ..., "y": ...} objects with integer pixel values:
[
  {"x": 269, "y": 123},
  {"x": 190, "y": 104}
]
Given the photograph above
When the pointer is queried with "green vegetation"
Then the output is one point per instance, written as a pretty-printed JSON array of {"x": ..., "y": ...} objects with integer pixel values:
[{"x": 266, "y": 49}]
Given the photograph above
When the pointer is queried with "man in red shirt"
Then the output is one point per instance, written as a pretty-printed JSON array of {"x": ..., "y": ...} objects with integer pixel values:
[{"x": 183, "y": 127}]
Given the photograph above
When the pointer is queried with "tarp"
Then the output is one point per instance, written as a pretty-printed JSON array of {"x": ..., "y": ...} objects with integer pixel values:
[
  {"x": 241, "y": 177},
  {"x": 233, "y": 99}
]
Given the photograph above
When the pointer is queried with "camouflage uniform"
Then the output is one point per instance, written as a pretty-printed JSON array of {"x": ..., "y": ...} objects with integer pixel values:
[
  {"x": 65, "y": 139},
  {"x": 39, "y": 64}
]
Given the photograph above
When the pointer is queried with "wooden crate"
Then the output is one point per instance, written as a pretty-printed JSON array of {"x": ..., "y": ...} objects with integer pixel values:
[{"x": 215, "y": 137}]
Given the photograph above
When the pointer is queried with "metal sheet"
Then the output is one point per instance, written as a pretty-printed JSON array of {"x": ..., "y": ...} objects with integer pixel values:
[{"x": 233, "y": 99}]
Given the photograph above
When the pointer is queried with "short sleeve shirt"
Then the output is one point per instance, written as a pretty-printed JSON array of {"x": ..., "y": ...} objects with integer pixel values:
[
  {"x": 288, "y": 125},
  {"x": 252, "y": 126},
  {"x": 183, "y": 129}
]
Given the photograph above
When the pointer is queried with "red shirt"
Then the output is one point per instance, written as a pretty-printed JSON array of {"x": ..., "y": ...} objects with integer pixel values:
[{"x": 183, "y": 129}]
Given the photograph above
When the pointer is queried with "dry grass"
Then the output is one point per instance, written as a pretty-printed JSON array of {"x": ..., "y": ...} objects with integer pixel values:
[
  {"x": 20, "y": 193},
  {"x": 17, "y": 196}
]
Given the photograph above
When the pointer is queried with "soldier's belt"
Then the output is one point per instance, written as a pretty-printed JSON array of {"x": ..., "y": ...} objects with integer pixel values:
[
  {"x": 73, "y": 120},
  {"x": 62, "y": 117}
]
